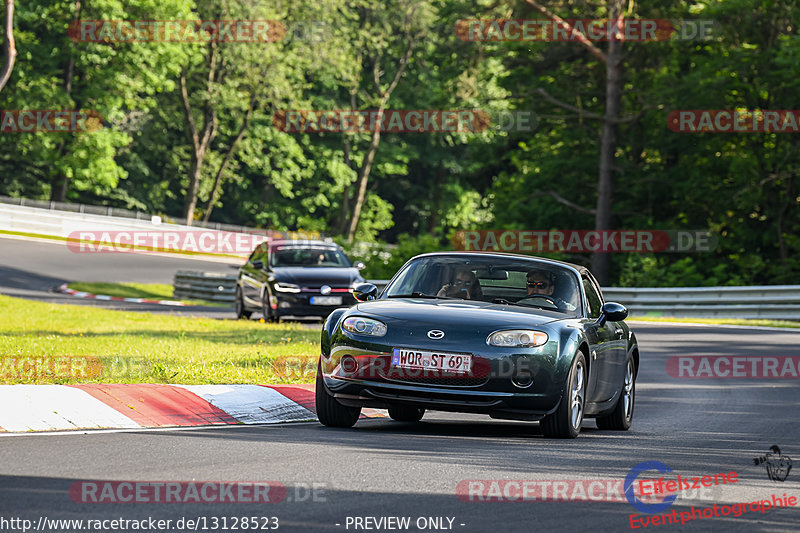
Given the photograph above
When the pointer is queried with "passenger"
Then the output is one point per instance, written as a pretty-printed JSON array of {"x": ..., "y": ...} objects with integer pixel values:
[{"x": 465, "y": 286}]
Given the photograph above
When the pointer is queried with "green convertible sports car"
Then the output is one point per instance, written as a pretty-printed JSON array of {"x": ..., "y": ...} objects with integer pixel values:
[{"x": 514, "y": 337}]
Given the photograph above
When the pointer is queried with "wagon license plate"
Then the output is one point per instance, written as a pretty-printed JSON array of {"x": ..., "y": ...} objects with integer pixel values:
[
  {"x": 454, "y": 362},
  {"x": 326, "y": 300}
]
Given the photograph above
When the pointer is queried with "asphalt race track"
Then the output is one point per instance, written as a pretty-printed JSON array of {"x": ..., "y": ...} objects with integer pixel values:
[
  {"x": 383, "y": 468},
  {"x": 33, "y": 268}
]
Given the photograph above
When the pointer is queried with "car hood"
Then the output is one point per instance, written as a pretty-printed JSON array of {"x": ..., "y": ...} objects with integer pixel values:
[
  {"x": 316, "y": 276},
  {"x": 443, "y": 313}
]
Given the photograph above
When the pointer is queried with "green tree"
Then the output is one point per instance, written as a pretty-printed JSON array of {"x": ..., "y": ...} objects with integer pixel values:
[{"x": 9, "y": 49}]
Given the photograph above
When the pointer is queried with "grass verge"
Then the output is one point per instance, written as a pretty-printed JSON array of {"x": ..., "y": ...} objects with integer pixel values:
[
  {"x": 150, "y": 291},
  {"x": 56, "y": 343},
  {"x": 730, "y": 321}
]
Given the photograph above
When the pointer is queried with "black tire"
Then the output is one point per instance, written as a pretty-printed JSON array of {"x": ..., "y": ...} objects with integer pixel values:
[
  {"x": 330, "y": 412},
  {"x": 404, "y": 413},
  {"x": 267, "y": 311},
  {"x": 241, "y": 310},
  {"x": 621, "y": 417},
  {"x": 565, "y": 423}
]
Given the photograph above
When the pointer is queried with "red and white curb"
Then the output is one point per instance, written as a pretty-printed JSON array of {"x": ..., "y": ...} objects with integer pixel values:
[
  {"x": 26, "y": 408},
  {"x": 79, "y": 294}
]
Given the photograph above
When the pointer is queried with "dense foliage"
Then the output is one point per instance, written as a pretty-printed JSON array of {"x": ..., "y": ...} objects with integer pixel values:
[{"x": 419, "y": 188}]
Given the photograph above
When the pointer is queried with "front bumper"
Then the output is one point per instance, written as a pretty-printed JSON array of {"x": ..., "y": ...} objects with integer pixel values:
[
  {"x": 488, "y": 389},
  {"x": 299, "y": 304}
]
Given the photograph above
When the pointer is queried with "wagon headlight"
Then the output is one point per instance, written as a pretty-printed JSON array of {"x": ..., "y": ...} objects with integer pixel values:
[
  {"x": 517, "y": 337},
  {"x": 287, "y": 287},
  {"x": 364, "y": 326}
]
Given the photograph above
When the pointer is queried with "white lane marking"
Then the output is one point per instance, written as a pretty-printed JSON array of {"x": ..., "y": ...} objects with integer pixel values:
[
  {"x": 54, "y": 407},
  {"x": 144, "y": 429},
  {"x": 251, "y": 404}
]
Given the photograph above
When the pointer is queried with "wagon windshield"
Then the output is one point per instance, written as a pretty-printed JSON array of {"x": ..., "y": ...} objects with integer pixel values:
[
  {"x": 510, "y": 281},
  {"x": 308, "y": 257}
]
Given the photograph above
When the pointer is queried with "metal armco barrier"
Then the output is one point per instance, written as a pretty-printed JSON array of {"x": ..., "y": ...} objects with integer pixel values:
[
  {"x": 780, "y": 302},
  {"x": 209, "y": 286}
]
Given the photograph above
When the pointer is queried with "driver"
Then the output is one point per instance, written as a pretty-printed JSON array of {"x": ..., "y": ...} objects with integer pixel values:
[
  {"x": 542, "y": 283},
  {"x": 465, "y": 285}
]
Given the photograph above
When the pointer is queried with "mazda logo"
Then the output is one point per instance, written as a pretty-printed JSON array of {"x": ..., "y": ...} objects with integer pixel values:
[{"x": 436, "y": 334}]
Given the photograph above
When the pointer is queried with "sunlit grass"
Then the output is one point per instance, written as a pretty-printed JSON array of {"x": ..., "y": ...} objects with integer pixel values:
[{"x": 139, "y": 347}]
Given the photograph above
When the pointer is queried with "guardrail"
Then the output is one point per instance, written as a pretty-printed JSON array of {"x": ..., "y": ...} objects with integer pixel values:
[
  {"x": 780, "y": 302},
  {"x": 214, "y": 287},
  {"x": 119, "y": 213},
  {"x": 209, "y": 286}
]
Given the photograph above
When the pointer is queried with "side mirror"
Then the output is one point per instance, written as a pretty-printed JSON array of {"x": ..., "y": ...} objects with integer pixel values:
[
  {"x": 359, "y": 265},
  {"x": 612, "y": 312},
  {"x": 365, "y": 292},
  {"x": 258, "y": 264}
]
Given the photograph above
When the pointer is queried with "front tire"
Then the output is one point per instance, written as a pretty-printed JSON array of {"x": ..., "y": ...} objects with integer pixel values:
[
  {"x": 241, "y": 311},
  {"x": 621, "y": 417},
  {"x": 330, "y": 412},
  {"x": 270, "y": 315},
  {"x": 404, "y": 413},
  {"x": 565, "y": 422}
]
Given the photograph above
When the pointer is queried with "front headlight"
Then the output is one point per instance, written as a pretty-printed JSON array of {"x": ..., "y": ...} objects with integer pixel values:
[
  {"x": 287, "y": 287},
  {"x": 517, "y": 337},
  {"x": 364, "y": 326}
]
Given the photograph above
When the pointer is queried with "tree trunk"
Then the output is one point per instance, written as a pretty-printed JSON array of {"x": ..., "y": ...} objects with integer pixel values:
[
  {"x": 221, "y": 171},
  {"x": 364, "y": 175},
  {"x": 199, "y": 141},
  {"x": 60, "y": 182},
  {"x": 612, "y": 58},
  {"x": 433, "y": 219},
  {"x": 601, "y": 261},
  {"x": 9, "y": 45},
  {"x": 376, "y": 135}
]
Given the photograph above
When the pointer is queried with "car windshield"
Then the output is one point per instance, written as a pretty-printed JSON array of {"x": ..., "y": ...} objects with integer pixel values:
[
  {"x": 509, "y": 281},
  {"x": 308, "y": 257}
]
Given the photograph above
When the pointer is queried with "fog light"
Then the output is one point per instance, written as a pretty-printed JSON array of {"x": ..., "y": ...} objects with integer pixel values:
[
  {"x": 522, "y": 379},
  {"x": 349, "y": 364}
]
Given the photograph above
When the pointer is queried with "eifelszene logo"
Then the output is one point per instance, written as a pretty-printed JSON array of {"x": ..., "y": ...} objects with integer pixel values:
[
  {"x": 778, "y": 465},
  {"x": 630, "y": 481}
]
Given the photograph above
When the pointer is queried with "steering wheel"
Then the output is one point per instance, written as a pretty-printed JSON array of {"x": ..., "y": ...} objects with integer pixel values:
[{"x": 547, "y": 299}]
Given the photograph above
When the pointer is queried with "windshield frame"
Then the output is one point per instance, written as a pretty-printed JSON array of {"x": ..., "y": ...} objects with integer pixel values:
[{"x": 574, "y": 272}]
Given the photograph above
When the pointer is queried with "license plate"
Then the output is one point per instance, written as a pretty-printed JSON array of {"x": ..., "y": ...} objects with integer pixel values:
[
  {"x": 454, "y": 362},
  {"x": 326, "y": 300}
]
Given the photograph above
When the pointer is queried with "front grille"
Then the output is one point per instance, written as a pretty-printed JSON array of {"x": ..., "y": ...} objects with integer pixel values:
[{"x": 316, "y": 289}]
